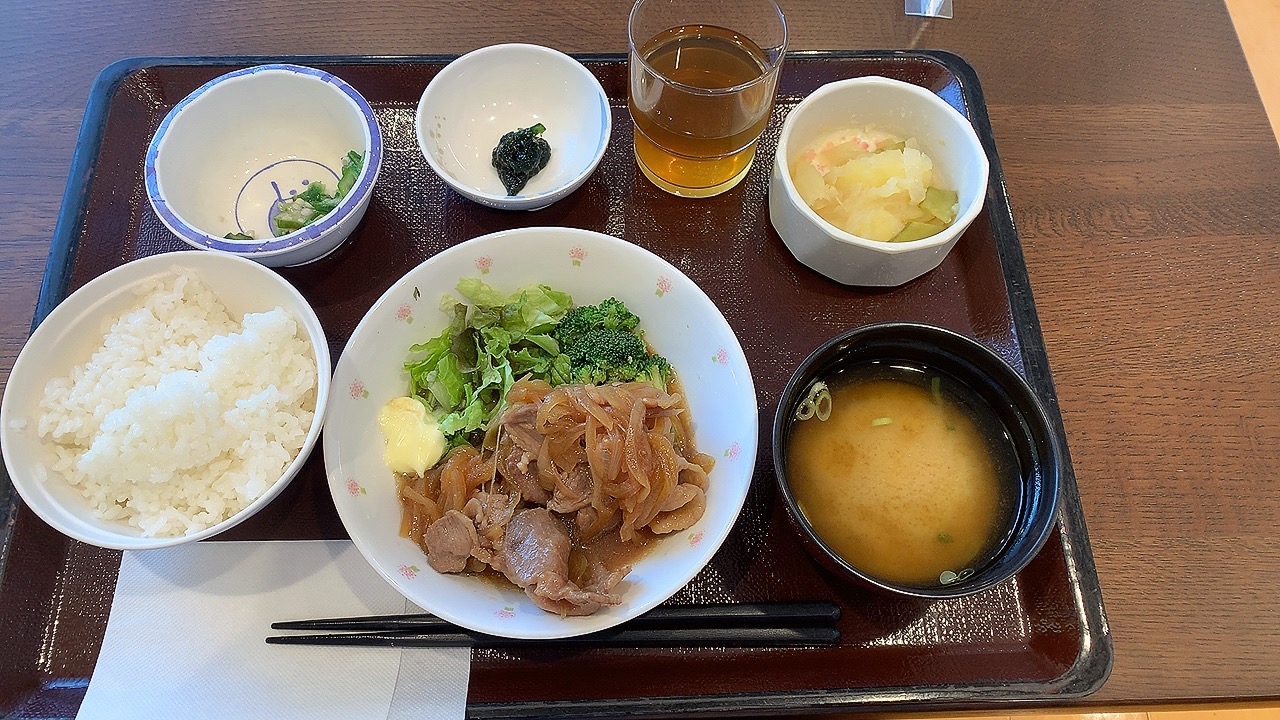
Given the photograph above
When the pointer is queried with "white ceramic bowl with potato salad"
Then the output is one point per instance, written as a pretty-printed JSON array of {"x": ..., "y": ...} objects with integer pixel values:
[
  {"x": 679, "y": 322},
  {"x": 870, "y": 106}
]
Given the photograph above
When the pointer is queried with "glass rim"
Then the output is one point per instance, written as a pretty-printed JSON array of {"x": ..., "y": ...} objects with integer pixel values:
[{"x": 770, "y": 69}]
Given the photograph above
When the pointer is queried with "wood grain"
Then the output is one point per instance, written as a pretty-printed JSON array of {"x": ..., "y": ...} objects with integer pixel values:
[{"x": 1143, "y": 175}]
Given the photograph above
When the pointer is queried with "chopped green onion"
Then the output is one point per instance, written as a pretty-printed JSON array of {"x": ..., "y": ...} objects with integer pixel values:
[
  {"x": 947, "y": 577},
  {"x": 816, "y": 403},
  {"x": 824, "y": 405},
  {"x": 935, "y": 386},
  {"x": 881, "y": 421}
]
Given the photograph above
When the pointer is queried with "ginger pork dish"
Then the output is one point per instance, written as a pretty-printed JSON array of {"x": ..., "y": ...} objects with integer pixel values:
[{"x": 543, "y": 444}]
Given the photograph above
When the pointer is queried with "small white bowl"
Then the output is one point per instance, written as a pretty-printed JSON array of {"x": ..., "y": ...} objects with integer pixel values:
[
  {"x": 678, "y": 320},
  {"x": 228, "y": 153},
  {"x": 479, "y": 97},
  {"x": 905, "y": 110},
  {"x": 70, "y": 334}
]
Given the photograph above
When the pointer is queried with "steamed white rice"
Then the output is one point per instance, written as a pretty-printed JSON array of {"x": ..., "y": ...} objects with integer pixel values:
[{"x": 184, "y": 415}]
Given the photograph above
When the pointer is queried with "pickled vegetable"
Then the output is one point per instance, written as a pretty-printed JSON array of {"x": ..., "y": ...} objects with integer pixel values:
[
  {"x": 873, "y": 185},
  {"x": 520, "y": 155},
  {"x": 940, "y": 203},
  {"x": 314, "y": 203}
]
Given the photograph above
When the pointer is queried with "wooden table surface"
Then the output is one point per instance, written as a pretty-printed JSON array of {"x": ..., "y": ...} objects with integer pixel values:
[{"x": 1143, "y": 177}]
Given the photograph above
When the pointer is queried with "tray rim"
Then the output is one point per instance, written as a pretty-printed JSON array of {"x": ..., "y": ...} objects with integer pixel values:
[{"x": 1092, "y": 666}]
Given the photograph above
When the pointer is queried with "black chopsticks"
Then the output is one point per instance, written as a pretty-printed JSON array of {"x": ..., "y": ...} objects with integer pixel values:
[{"x": 777, "y": 624}]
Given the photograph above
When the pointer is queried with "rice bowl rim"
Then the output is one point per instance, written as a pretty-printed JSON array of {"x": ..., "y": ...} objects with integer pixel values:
[{"x": 85, "y": 308}]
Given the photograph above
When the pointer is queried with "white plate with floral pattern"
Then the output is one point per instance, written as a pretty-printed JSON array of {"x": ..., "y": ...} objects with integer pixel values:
[{"x": 679, "y": 321}]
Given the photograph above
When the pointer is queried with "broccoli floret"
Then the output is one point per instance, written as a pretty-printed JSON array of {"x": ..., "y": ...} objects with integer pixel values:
[
  {"x": 603, "y": 344},
  {"x": 604, "y": 355},
  {"x": 611, "y": 314},
  {"x": 657, "y": 371},
  {"x": 609, "y": 346}
]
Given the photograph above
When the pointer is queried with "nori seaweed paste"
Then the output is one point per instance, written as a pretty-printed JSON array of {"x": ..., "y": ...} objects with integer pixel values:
[{"x": 520, "y": 155}]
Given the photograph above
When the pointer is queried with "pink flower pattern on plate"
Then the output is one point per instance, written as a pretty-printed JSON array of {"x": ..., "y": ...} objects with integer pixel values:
[
  {"x": 733, "y": 451},
  {"x": 354, "y": 488},
  {"x": 409, "y": 571},
  {"x": 695, "y": 539},
  {"x": 483, "y": 263},
  {"x": 404, "y": 313},
  {"x": 506, "y": 612},
  {"x": 577, "y": 255},
  {"x": 721, "y": 357},
  {"x": 664, "y": 287},
  {"x": 357, "y": 390}
]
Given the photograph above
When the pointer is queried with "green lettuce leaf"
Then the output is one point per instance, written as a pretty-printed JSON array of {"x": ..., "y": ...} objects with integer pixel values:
[{"x": 492, "y": 339}]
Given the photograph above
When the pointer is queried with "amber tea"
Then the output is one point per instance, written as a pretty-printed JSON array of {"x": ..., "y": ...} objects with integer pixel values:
[
  {"x": 692, "y": 140},
  {"x": 700, "y": 96}
]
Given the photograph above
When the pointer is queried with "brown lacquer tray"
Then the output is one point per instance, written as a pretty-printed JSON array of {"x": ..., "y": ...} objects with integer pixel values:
[{"x": 1040, "y": 636}]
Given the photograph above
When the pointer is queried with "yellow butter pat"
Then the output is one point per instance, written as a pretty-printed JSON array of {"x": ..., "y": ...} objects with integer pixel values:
[{"x": 414, "y": 440}]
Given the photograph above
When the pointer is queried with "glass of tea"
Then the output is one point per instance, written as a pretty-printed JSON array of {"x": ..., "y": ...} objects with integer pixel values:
[{"x": 703, "y": 76}]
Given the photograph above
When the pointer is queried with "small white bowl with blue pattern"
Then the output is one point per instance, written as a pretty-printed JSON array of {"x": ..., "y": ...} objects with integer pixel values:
[{"x": 229, "y": 153}]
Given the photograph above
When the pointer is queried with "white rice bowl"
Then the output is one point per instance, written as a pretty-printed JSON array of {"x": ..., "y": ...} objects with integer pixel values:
[
  {"x": 166, "y": 401},
  {"x": 679, "y": 321}
]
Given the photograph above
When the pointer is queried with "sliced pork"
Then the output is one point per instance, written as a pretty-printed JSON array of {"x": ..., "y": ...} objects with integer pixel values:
[
  {"x": 565, "y": 474},
  {"x": 489, "y": 513},
  {"x": 535, "y": 557},
  {"x": 518, "y": 467},
  {"x": 449, "y": 542},
  {"x": 573, "y": 490}
]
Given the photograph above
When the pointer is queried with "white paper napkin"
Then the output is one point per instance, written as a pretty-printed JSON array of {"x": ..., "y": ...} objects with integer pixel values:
[{"x": 185, "y": 640}]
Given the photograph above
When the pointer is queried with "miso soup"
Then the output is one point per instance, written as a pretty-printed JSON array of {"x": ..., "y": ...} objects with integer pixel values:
[{"x": 911, "y": 478}]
